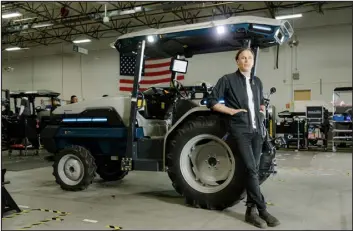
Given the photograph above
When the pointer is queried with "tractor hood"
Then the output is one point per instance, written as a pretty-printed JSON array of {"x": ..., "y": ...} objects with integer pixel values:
[{"x": 121, "y": 104}]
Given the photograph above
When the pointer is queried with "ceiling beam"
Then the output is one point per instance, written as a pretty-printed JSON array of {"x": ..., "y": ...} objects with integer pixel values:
[
  {"x": 72, "y": 26},
  {"x": 51, "y": 18}
]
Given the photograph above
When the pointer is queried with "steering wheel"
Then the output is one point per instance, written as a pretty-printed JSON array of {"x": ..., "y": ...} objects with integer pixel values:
[{"x": 157, "y": 90}]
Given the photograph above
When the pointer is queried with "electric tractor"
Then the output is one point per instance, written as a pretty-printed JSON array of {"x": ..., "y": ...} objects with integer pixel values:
[{"x": 164, "y": 128}]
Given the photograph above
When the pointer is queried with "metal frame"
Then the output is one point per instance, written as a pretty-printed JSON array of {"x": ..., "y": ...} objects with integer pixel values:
[
  {"x": 131, "y": 151},
  {"x": 86, "y": 18},
  {"x": 136, "y": 44},
  {"x": 335, "y": 130},
  {"x": 131, "y": 157}
]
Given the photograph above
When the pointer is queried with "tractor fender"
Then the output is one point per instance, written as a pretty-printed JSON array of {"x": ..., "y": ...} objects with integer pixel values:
[{"x": 196, "y": 110}]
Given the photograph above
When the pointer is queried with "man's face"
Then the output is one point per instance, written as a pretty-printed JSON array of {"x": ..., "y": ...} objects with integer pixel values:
[
  {"x": 74, "y": 100},
  {"x": 245, "y": 61}
]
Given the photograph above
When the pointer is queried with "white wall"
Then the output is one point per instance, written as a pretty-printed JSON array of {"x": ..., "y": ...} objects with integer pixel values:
[
  {"x": 70, "y": 73},
  {"x": 324, "y": 52}
]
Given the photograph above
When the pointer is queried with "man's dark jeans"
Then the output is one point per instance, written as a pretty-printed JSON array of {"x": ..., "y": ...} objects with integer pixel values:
[{"x": 247, "y": 147}]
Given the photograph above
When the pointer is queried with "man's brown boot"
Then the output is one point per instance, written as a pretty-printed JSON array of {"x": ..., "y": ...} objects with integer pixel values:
[
  {"x": 270, "y": 220},
  {"x": 253, "y": 218}
]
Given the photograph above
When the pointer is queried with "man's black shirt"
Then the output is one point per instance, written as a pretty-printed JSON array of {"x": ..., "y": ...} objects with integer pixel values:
[{"x": 232, "y": 89}]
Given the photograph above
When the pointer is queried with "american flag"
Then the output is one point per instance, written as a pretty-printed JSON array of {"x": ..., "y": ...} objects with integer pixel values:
[{"x": 154, "y": 71}]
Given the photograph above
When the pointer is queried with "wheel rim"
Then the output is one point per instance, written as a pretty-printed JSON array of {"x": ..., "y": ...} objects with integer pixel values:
[
  {"x": 208, "y": 167},
  {"x": 70, "y": 169}
]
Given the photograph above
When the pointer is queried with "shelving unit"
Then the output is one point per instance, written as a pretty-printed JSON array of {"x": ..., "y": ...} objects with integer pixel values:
[
  {"x": 317, "y": 126},
  {"x": 342, "y": 125}
]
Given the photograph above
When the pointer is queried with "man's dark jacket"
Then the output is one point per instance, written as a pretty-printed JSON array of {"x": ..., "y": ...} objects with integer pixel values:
[{"x": 232, "y": 89}]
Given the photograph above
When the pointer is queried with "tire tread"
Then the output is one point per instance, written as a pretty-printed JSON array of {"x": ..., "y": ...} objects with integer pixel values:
[
  {"x": 190, "y": 198},
  {"x": 88, "y": 162}
]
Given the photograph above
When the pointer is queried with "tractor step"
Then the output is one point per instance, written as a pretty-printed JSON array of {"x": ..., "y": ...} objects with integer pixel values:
[
  {"x": 148, "y": 165},
  {"x": 127, "y": 164}
]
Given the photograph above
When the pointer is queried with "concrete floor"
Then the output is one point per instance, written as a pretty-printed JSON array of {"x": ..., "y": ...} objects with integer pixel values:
[{"x": 313, "y": 190}]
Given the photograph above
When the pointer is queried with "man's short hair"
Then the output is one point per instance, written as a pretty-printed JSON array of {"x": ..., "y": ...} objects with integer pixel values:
[{"x": 242, "y": 50}]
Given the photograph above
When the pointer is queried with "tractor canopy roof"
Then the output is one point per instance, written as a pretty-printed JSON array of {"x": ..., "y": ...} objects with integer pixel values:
[
  {"x": 207, "y": 37},
  {"x": 38, "y": 93}
]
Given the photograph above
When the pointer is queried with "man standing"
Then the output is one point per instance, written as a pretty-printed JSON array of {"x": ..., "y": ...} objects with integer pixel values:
[
  {"x": 244, "y": 102},
  {"x": 25, "y": 112},
  {"x": 25, "y": 109}
]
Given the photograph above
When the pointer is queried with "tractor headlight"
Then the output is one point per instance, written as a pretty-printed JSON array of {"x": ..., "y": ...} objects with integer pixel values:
[
  {"x": 151, "y": 38},
  {"x": 179, "y": 65}
]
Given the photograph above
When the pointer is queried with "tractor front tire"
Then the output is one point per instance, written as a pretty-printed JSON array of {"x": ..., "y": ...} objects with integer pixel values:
[
  {"x": 211, "y": 162},
  {"x": 74, "y": 168}
]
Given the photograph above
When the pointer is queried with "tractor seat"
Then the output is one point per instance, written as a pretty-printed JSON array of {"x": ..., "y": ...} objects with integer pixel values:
[{"x": 43, "y": 113}]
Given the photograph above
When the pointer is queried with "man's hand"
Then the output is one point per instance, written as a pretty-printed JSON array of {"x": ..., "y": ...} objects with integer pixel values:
[
  {"x": 262, "y": 115},
  {"x": 262, "y": 108},
  {"x": 235, "y": 111},
  {"x": 226, "y": 110}
]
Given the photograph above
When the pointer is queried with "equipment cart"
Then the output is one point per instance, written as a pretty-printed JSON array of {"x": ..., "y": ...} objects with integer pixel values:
[
  {"x": 318, "y": 126},
  {"x": 341, "y": 117},
  {"x": 292, "y": 128},
  {"x": 23, "y": 134}
]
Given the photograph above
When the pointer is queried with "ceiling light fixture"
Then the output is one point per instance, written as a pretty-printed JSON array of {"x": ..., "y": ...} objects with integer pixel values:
[
  {"x": 13, "y": 49},
  {"x": 23, "y": 19},
  {"x": 11, "y": 15},
  {"x": 289, "y": 16},
  {"x": 82, "y": 41},
  {"x": 42, "y": 25}
]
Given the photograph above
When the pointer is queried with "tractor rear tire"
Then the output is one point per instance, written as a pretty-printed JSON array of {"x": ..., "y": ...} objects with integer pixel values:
[
  {"x": 229, "y": 195},
  {"x": 199, "y": 196},
  {"x": 110, "y": 170},
  {"x": 74, "y": 168}
]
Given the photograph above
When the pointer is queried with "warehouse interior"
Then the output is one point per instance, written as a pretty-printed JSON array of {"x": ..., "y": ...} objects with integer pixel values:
[{"x": 62, "y": 58}]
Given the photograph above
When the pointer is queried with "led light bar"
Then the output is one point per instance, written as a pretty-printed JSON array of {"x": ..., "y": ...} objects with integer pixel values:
[
  {"x": 260, "y": 27},
  {"x": 82, "y": 41},
  {"x": 289, "y": 16},
  {"x": 13, "y": 49},
  {"x": 11, "y": 15},
  {"x": 204, "y": 102},
  {"x": 73, "y": 120}
]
